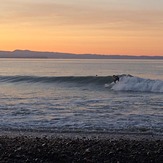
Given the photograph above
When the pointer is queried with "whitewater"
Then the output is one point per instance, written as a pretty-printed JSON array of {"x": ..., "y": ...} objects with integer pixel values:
[{"x": 80, "y": 96}]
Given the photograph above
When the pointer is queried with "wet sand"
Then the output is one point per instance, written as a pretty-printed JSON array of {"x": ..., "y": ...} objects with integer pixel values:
[{"x": 80, "y": 147}]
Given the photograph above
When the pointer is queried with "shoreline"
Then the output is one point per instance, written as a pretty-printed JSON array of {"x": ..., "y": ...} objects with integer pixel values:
[
  {"x": 65, "y": 147},
  {"x": 77, "y": 134}
]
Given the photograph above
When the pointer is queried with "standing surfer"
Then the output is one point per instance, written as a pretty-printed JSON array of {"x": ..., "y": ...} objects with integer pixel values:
[{"x": 115, "y": 78}]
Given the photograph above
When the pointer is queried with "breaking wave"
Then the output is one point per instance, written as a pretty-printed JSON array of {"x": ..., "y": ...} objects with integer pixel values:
[{"x": 127, "y": 83}]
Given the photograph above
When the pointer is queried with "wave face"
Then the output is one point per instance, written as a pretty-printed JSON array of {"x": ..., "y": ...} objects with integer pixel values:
[
  {"x": 100, "y": 80},
  {"x": 137, "y": 84}
]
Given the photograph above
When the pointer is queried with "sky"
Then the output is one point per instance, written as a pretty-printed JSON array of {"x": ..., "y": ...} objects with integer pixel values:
[{"x": 124, "y": 27}]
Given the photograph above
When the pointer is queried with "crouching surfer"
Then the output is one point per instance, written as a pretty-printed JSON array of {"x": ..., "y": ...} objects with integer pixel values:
[{"x": 115, "y": 78}]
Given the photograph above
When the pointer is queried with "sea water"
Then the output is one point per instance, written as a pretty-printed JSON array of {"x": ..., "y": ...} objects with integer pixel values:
[{"x": 69, "y": 95}]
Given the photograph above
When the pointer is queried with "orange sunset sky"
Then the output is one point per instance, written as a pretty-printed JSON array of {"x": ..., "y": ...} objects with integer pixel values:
[{"x": 132, "y": 27}]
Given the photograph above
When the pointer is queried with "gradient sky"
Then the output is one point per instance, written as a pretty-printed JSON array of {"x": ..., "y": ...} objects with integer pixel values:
[{"x": 133, "y": 27}]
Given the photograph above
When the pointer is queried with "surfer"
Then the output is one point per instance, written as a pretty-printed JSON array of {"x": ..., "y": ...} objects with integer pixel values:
[{"x": 115, "y": 78}]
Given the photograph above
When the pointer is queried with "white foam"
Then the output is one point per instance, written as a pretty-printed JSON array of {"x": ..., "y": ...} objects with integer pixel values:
[{"x": 127, "y": 83}]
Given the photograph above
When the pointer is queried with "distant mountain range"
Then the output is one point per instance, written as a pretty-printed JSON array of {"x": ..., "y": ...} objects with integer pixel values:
[{"x": 58, "y": 55}]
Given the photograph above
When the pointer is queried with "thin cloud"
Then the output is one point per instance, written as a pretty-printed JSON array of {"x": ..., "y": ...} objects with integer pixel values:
[{"x": 51, "y": 13}]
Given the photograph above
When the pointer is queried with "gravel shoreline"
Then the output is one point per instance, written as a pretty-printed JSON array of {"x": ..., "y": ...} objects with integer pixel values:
[{"x": 82, "y": 149}]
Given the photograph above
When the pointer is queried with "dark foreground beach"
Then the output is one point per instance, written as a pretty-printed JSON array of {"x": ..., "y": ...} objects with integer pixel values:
[{"x": 84, "y": 148}]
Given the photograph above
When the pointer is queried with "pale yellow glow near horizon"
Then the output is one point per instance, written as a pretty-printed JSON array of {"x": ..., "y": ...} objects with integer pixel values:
[{"x": 103, "y": 27}]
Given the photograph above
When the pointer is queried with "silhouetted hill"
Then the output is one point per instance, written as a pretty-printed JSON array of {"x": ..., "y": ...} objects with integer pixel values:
[{"x": 58, "y": 55}]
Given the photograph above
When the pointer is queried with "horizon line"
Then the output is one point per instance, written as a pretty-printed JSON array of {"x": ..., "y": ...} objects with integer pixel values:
[{"x": 96, "y": 54}]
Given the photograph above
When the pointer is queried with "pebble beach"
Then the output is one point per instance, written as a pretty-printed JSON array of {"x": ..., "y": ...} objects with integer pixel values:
[{"x": 74, "y": 148}]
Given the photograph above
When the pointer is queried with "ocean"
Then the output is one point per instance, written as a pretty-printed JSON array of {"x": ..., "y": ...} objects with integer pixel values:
[{"x": 73, "y": 95}]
